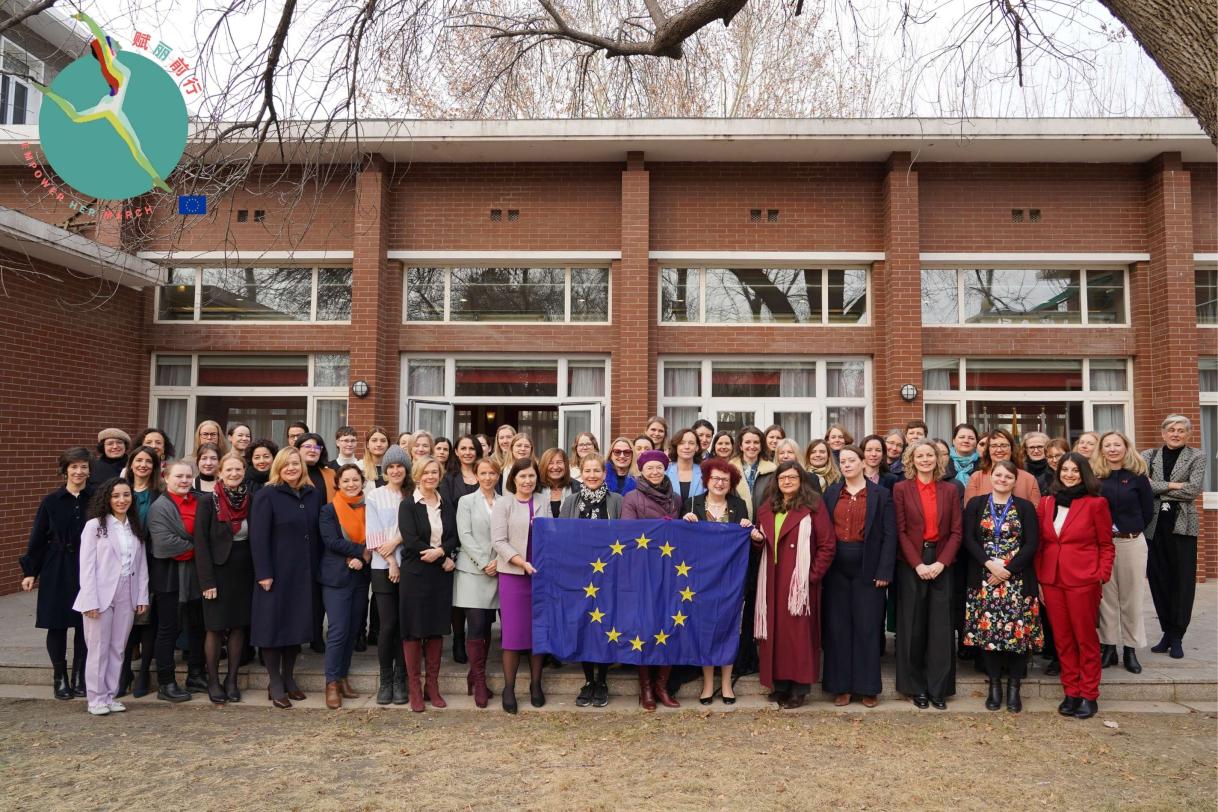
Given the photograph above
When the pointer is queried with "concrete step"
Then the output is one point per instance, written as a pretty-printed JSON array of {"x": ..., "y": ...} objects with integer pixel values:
[{"x": 24, "y": 666}]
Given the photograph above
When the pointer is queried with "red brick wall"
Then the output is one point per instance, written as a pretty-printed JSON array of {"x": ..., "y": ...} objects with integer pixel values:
[
  {"x": 1205, "y": 206},
  {"x": 1084, "y": 207},
  {"x": 72, "y": 365},
  {"x": 562, "y": 206},
  {"x": 821, "y": 206}
]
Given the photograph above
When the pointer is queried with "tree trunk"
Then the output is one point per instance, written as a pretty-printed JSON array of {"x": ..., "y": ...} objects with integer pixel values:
[{"x": 1181, "y": 36}]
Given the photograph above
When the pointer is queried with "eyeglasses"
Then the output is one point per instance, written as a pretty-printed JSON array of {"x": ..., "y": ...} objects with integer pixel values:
[
  {"x": 618, "y": 452},
  {"x": 309, "y": 447},
  {"x": 1036, "y": 448},
  {"x": 583, "y": 445},
  {"x": 789, "y": 479},
  {"x": 722, "y": 480}
]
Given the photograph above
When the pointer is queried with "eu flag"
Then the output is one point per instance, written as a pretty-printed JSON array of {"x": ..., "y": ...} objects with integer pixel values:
[
  {"x": 638, "y": 591},
  {"x": 192, "y": 204}
]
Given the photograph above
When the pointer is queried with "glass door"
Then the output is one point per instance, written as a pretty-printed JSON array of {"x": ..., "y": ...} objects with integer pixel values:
[
  {"x": 576, "y": 417},
  {"x": 432, "y": 416}
]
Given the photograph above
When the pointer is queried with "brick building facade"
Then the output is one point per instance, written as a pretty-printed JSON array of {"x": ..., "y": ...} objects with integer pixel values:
[{"x": 1052, "y": 274}]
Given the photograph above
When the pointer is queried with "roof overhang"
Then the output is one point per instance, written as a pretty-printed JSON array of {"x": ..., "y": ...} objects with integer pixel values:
[
  {"x": 934, "y": 140},
  {"x": 28, "y": 236}
]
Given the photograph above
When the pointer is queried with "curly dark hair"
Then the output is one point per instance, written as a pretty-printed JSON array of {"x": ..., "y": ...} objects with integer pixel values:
[{"x": 99, "y": 506}]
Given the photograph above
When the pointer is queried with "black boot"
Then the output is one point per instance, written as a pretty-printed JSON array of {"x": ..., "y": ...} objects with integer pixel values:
[
  {"x": 361, "y": 641},
  {"x": 139, "y": 686},
  {"x": 1053, "y": 668},
  {"x": 994, "y": 700},
  {"x": 1108, "y": 656},
  {"x": 1163, "y": 645},
  {"x": 63, "y": 688},
  {"x": 1087, "y": 708},
  {"x": 1014, "y": 700},
  {"x": 400, "y": 695},
  {"x": 460, "y": 655},
  {"x": 1069, "y": 705},
  {"x": 384, "y": 686},
  {"x": 78, "y": 678},
  {"x": 170, "y": 691},
  {"x": 124, "y": 683},
  {"x": 196, "y": 681},
  {"x": 1131, "y": 661}
]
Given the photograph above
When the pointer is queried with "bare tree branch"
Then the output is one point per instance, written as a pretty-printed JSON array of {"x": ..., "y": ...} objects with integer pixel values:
[{"x": 16, "y": 19}]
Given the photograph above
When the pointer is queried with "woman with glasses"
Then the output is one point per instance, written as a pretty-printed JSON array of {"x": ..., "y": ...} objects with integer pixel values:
[
  {"x": 1001, "y": 446},
  {"x": 585, "y": 444},
  {"x": 619, "y": 473}
]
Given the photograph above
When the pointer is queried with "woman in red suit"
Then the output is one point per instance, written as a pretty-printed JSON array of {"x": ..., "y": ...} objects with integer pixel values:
[
  {"x": 1073, "y": 562},
  {"x": 795, "y": 534},
  {"x": 929, "y": 528}
]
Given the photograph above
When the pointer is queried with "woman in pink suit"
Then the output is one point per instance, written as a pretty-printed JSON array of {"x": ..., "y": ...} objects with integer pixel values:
[
  {"x": 795, "y": 534},
  {"x": 113, "y": 587},
  {"x": 1073, "y": 562}
]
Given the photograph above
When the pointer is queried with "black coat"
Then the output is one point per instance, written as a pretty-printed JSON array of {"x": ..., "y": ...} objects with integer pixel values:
[
  {"x": 1021, "y": 568},
  {"x": 736, "y": 509},
  {"x": 103, "y": 469},
  {"x": 332, "y": 569},
  {"x": 879, "y": 530},
  {"x": 425, "y": 591},
  {"x": 53, "y": 556},
  {"x": 213, "y": 541},
  {"x": 283, "y": 533},
  {"x": 453, "y": 487}
]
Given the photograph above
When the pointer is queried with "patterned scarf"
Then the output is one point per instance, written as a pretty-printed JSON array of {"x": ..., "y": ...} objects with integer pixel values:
[
  {"x": 232, "y": 505},
  {"x": 592, "y": 504}
]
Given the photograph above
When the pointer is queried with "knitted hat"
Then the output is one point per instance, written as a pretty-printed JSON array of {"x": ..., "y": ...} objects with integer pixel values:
[
  {"x": 114, "y": 434},
  {"x": 652, "y": 456},
  {"x": 395, "y": 456}
]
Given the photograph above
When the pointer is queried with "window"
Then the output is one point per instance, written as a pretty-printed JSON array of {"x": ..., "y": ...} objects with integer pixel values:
[
  {"x": 561, "y": 294},
  {"x": 255, "y": 294},
  {"x": 802, "y": 396},
  {"x": 1207, "y": 296},
  {"x": 1023, "y": 296},
  {"x": 19, "y": 101},
  {"x": 1209, "y": 420},
  {"x": 763, "y": 296},
  {"x": 267, "y": 392},
  {"x": 1061, "y": 397}
]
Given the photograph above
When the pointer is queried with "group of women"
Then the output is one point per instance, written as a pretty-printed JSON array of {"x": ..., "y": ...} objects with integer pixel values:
[{"x": 972, "y": 548}]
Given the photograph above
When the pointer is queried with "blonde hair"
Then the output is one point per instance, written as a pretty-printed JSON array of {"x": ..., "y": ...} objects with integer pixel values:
[
  {"x": 232, "y": 455},
  {"x": 221, "y": 441},
  {"x": 593, "y": 457},
  {"x": 911, "y": 471},
  {"x": 574, "y": 455},
  {"x": 1133, "y": 462},
  {"x": 829, "y": 474},
  {"x": 281, "y": 459},
  {"x": 369, "y": 461},
  {"x": 1094, "y": 434},
  {"x": 420, "y": 465},
  {"x": 787, "y": 442},
  {"x": 502, "y": 456}
]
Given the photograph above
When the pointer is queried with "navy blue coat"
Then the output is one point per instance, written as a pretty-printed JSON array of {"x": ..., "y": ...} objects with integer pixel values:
[
  {"x": 332, "y": 569},
  {"x": 879, "y": 530},
  {"x": 283, "y": 534},
  {"x": 53, "y": 556}
]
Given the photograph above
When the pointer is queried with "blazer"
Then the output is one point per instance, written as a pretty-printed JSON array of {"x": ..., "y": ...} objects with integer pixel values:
[
  {"x": 1020, "y": 566},
  {"x": 1026, "y": 486},
  {"x": 1189, "y": 469},
  {"x": 474, "y": 533},
  {"x": 752, "y": 498},
  {"x": 213, "y": 540},
  {"x": 695, "y": 483},
  {"x": 169, "y": 539},
  {"x": 332, "y": 569},
  {"x": 101, "y": 562},
  {"x": 613, "y": 502},
  {"x": 911, "y": 522},
  {"x": 736, "y": 508},
  {"x": 1083, "y": 554},
  {"x": 415, "y": 527},
  {"x": 510, "y": 524},
  {"x": 879, "y": 530}
]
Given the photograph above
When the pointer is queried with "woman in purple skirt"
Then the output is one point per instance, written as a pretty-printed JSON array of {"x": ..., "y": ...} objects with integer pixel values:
[{"x": 511, "y": 536}]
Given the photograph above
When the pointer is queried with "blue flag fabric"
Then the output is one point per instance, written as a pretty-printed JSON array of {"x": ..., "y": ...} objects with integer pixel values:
[{"x": 638, "y": 591}]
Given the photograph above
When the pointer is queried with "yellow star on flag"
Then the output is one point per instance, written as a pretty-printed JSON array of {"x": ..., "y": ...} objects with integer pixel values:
[
  {"x": 687, "y": 594},
  {"x": 590, "y": 591},
  {"x": 598, "y": 565},
  {"x": 679, "y": 619},
  {"x": 666, "y": 550},
  {"x": 636, "y": 644},
  {"x": 596, "y": 614},
  {"x": 642, "y": 541},
  {"x": 661, "y": 638},
  {"x": 617, "y": 547},
  {"x": 683, "y": 568},
  {"x": 613, "y": 635}
]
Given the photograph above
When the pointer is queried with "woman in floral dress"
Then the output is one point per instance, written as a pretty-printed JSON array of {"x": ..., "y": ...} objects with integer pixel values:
[{"x": 1002, "y": 616}]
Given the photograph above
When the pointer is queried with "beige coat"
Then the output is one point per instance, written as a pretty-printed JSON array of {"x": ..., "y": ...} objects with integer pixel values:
[{"x": 510, "y": 524}]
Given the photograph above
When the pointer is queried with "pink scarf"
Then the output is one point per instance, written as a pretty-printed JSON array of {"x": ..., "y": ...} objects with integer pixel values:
[{"x": 798, "y": 601}]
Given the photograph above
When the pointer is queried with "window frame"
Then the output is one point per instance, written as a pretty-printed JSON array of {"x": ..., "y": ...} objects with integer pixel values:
[
  {"x": 823, "y": 321},
  {"x": 33, "y": 94},
  {"x": 448, "y": 267},
  {"x": 1198, "y": 268},
  {"x": 197, "y": 314},
  {"x": 1209, "y": 399},
  {"x": 1030, "y": 265},
  {"x": 1088, "y": 397}
]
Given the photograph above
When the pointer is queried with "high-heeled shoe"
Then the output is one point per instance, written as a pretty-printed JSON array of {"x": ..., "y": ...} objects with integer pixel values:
[
  {"x": 706, "y": 700},
  {"x": 282, "y": 704},
  {"x": 728, "y": 700},
  {"x": 537, "y": 697},
  {"x": 509, "y": 699}
]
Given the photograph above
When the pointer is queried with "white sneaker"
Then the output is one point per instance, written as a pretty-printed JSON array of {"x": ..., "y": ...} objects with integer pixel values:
[
  {"x": 99, "y": 710},
  {"x": 117, "y": 707}
]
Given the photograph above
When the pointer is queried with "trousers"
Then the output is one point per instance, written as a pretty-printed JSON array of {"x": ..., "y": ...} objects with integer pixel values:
[
  {"x": 1121, "y": 619},
  {"x": 1073, "y": 610},
  {"x": 106, "y": 637},
  {"x": 926, "y": 652},
  {"x": 168, "y": 625},
  {"x": 345, "y": 607},
  {"x": 1171, "y": 569}
]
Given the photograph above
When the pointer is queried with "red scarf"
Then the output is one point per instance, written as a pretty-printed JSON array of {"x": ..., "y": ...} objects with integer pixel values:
[{"x": 232, "y": 507}]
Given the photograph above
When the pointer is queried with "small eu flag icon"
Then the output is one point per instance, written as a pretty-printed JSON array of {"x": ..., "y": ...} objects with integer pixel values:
[{"x": 192, "y": 204}]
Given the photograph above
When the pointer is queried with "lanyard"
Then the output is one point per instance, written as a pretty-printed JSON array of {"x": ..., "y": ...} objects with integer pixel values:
[{"x": 998, "y": 519}]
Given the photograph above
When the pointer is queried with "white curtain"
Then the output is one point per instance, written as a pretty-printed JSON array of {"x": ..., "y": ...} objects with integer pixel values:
[
  {"x": 680, "y": 417},
  {"x": 171, "y": 419},
  {"x": 1208, "y": 376},
  {"x": 940, "y": 418},
  {"x": 682, "y": 381},
  {"x": 426, "y": 379},
  {"x": 330, "y": 414},
  {"x": 797, "y": 425},
  {"x": 797, "y": 382},
  {"x": 845, "y": 379},
  {"x": 1209, "y": 445},
  {"x": 586, "y": 381},
  {"x": 1109, "y": 417},
  {"x": 852, "y": 417},
  {"x": 1111, "y": 379},
  {"x": 173, "y": 370}
]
